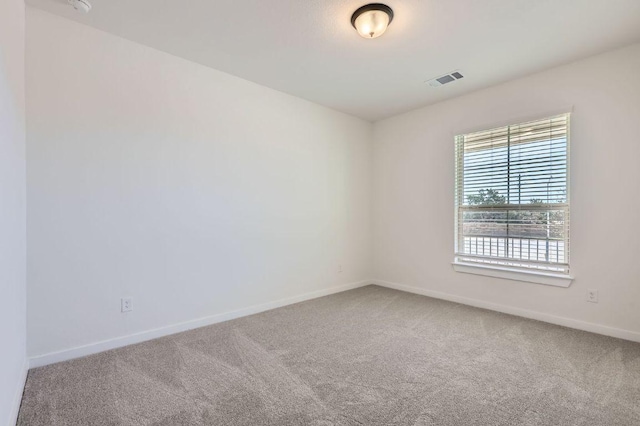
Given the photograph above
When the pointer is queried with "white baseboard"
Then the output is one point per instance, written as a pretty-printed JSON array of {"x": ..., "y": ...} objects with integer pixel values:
[
  {"x": 118, "y": 342},
  {"x": 540, "y": 316},
  {"x": 17, "y": 399}
]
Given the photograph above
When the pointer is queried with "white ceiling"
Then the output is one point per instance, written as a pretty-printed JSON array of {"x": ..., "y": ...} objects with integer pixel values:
[{"x": 308, "y": 48}]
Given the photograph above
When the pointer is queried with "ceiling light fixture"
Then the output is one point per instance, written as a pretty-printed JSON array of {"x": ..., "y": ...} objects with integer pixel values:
[
  {"x": 81, "y": 5},
  {"x": 372, "y": 20}
]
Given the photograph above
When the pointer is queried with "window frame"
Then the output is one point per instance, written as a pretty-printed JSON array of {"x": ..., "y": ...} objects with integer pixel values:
[{"x": 499, "y": 267}]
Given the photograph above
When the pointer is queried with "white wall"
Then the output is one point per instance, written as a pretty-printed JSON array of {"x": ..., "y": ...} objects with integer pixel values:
[
  {"x": 12, "y": 209},
  {"x": 414, "y": 196},
  {"x": 192, "y": 191},
  {"x": 197, "y": 193}
]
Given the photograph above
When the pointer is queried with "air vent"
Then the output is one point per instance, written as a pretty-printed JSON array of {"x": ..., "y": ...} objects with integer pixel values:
[{"x": 445, "y": 79}]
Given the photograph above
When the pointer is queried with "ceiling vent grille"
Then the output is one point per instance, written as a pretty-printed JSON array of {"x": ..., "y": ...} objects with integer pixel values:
[{"x": 445, "y": 79}]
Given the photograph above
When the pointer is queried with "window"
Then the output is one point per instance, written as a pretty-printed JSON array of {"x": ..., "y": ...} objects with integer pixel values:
[{"x": 512, "y": 197}]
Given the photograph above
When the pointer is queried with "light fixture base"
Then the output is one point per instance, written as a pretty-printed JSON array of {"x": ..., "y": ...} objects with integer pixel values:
[
  {"x": 368, "y": 7},
  {"x": 372, "y": 20}
]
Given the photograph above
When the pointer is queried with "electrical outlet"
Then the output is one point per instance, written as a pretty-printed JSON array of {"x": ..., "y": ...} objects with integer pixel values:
[
  {"x": 126, "y": 304},
  {"x": 339, "y": 268},
  {"x": 592, "y": 295}
]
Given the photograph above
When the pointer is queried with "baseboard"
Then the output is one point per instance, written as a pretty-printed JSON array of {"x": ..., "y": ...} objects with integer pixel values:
[
  {"x": 17, "y": 399},
  {"x": 118, "y": 342},
  {"x": 540, "y": 316}
]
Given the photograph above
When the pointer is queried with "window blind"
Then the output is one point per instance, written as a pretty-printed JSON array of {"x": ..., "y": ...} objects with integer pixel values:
[{"x": 512, "y": 195}]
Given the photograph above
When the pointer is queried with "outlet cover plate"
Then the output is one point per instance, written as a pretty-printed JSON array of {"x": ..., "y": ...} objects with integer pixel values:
[{"x": 126, "y": 304}]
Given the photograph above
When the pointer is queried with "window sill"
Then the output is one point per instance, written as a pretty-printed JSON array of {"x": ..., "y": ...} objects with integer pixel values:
[{"x": 557, "y": 280}]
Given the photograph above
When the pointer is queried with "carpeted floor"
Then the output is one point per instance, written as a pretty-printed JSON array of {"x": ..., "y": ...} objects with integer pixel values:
[{"x": 370, "y": 356}]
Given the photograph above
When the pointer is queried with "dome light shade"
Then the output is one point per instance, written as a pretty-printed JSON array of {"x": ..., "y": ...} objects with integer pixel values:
[
  {"x": 372, "y": 20},
  {"x": 81, "y": 5}
]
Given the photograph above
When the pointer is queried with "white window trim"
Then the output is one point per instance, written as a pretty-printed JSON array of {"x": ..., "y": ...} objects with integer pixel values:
[
  {"x": 546, "y": 278},
  {"x": 556, "y": 279}
]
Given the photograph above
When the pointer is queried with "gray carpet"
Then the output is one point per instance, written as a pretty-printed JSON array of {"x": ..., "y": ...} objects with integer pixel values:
[{"x": 370, "y": 356}]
